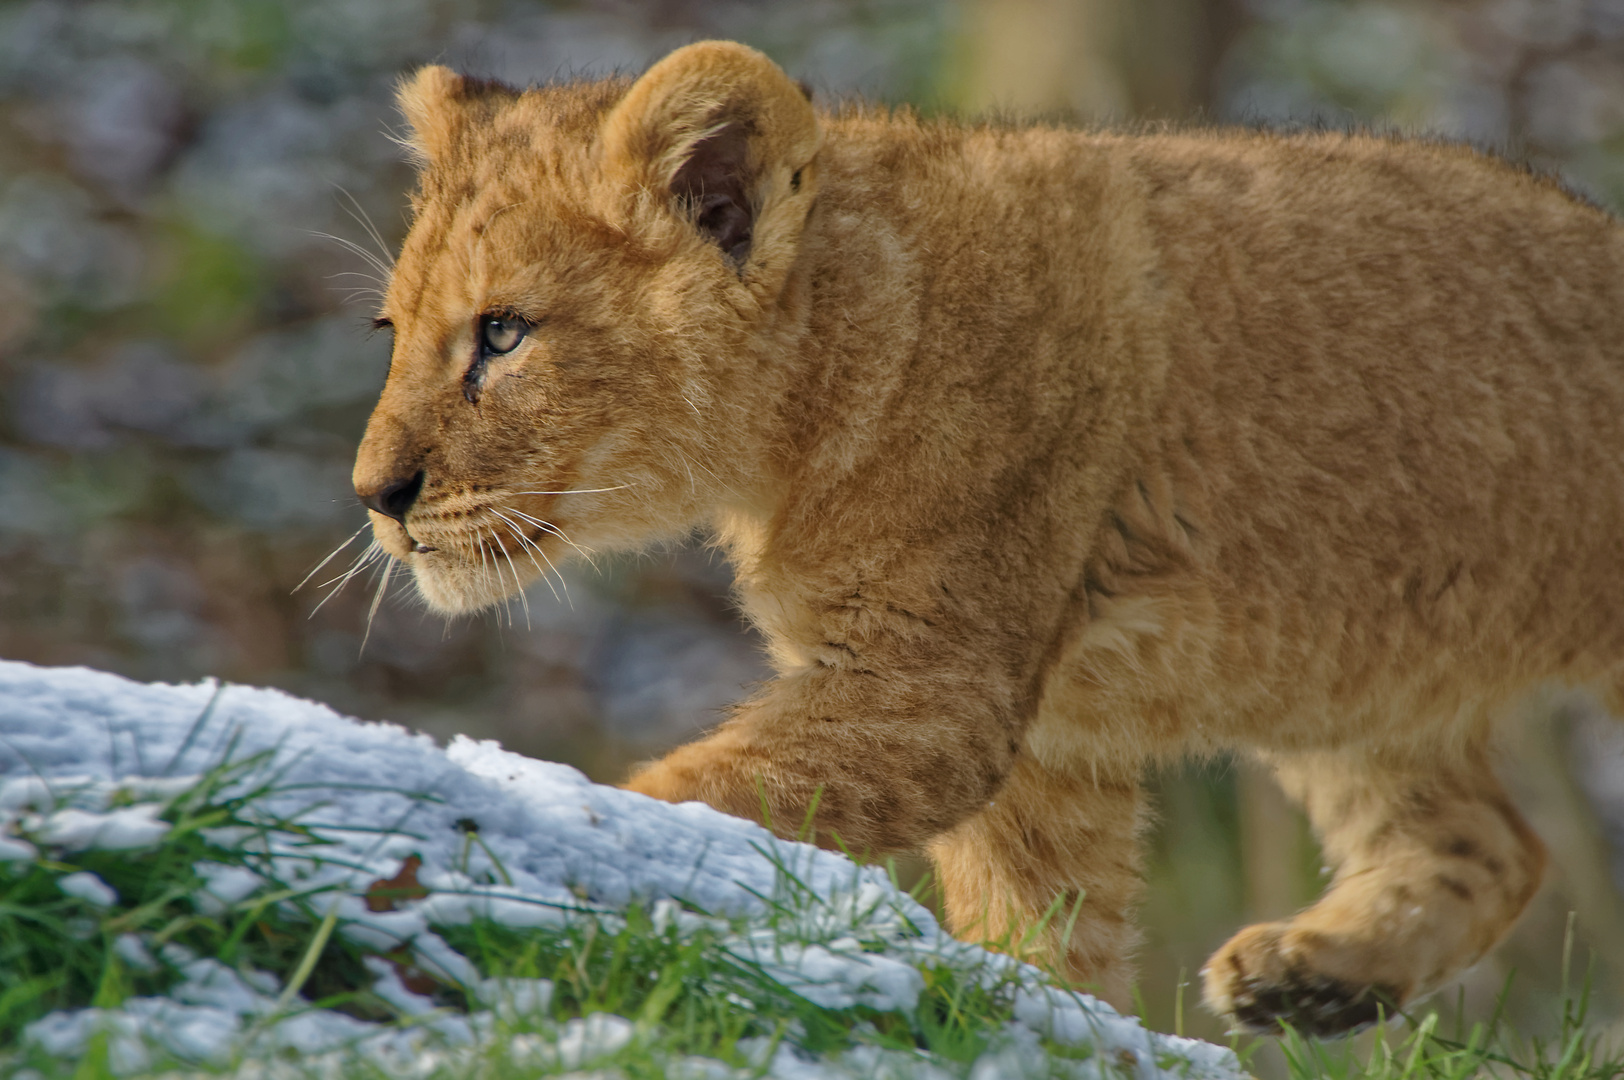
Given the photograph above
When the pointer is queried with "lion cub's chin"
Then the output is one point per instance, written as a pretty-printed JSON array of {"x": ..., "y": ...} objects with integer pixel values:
[{"x": 457, "y": 589}]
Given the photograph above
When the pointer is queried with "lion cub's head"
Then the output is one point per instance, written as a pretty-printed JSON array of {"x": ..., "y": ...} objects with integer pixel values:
[{"x": 578, "y": 311}]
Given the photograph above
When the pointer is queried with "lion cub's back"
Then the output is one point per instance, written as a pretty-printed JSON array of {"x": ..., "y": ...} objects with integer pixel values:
[{"x": 1396, "y": 406}]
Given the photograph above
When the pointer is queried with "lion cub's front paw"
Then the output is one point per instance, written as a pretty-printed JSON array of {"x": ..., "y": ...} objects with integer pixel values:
[
  {"x": 1272, "y": 975},
  {"x": 675, "y": 780},
  {"x": 659, "y": 781}
]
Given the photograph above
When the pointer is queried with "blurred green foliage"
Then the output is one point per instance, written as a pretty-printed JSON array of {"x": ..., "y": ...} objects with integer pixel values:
[{"x": 211, "y": 289}]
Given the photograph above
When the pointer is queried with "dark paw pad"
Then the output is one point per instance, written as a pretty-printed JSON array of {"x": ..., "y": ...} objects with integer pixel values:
[{"x": 1309, "y": 1003}]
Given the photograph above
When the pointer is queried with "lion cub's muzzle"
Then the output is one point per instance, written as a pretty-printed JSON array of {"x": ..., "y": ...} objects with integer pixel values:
[
  {"x": 394, "y": 497},
  {"x": 392, "y": 500}
]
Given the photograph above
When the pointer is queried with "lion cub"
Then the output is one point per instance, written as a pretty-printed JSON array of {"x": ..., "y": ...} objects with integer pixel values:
[{"x": 1040, "y": 455}]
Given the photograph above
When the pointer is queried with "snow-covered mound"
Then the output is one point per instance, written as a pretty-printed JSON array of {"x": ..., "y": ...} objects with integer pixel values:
[{"x": 87, "y": 760}]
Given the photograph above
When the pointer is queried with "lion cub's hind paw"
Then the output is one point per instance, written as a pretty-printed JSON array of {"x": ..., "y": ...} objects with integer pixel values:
[{"x": 1265, "y": 979}]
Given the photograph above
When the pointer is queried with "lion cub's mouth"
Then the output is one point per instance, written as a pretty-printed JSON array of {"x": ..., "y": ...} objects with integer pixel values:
[
  {"x": 482, "y": 557},
  {"x": 466, "y": 554}
]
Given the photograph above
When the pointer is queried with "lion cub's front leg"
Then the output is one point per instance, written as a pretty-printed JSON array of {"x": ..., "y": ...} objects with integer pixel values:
[
  {"x": 889, "y": 763},
  {"x": 1048, "y": 870},
  {"x": 1040, "y": 864},
  {"x": 1433, "y": 865}
]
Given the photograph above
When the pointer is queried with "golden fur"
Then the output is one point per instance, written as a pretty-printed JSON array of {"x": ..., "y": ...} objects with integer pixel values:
[{"x": 1039, "y": 455}]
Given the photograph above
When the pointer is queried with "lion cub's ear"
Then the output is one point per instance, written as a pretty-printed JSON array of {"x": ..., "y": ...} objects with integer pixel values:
[
  {"x": 426, "y": 99},
  {"x": 728, "y": 135},
  {"x": 437, "y": 102}
]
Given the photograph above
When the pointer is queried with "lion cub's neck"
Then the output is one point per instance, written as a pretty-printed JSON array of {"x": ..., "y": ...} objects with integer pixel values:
[{"x": 926, "y": 342}]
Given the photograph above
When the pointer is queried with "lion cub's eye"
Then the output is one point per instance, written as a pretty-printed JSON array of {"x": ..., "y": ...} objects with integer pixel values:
[
  {"x": 500, "y": 334},
  {"x": 495, "y": 335}
]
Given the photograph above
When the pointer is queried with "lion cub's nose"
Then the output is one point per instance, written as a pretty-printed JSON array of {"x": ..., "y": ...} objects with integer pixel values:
[{"x": 395, "y": 498}]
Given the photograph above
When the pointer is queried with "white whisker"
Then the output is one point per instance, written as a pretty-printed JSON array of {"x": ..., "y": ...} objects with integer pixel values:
[
  {"x": 485, "y": 571},
  {"x": 548, "y": 526},
  {"x": 496, "y": 569},
  {"x": 331, "y": 555},
  {"x": 693, "y": 488},
  {"x": 383, "y": 269},
  {"x": 524, "y": 601},
  {"x": 532, "y": 549},
  {"x": 361, "y": 218},
  {"x": 575, "y": 491},
  {"x": 377, "y": 599},
  {"x": 374, "y": 295},
  {"x": 374, "y": 288},
  {"x": 560, "y": 575},
  {"x": 370, "y": 555},
  {"x": 707, "y": 471},
  {"x": 525, "y": 544}
]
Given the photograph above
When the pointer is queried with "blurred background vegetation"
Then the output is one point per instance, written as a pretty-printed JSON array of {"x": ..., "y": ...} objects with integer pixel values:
[{"x": 185, "y": 363}]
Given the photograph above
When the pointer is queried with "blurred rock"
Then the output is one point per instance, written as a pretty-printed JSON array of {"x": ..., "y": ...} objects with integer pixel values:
[
  {"x": 1575, "y": 103},
  {"x": 52, "y": 235},
  {"x": 273, "y": 490},
  {"x": 1540, "y": 80},
  {"x": 121, "y": 120},
  {"x": 1537, "y": 23},
  {"x": 141, "y": 387},
  {"x": 162, "y": 601},
  {"x": 267, "y": 170},
  {"x": 663, "y": 677},
  {"x": 19, "y": 311},
  {"x": 28, "y": 492},
  {"x": 281, "y": 375}
]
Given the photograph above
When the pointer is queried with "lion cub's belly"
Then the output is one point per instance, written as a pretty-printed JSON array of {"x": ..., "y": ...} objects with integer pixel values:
[{"x": 1182, "y": 670}]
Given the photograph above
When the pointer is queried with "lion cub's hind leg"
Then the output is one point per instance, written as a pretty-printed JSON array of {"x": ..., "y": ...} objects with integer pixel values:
[
  {"x": 1432, "y": 867},
  {"x": 1049, "y": 871}
]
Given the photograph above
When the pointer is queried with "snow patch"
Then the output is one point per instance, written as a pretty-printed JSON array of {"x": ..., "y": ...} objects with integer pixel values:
[
  {"x": 88, "y": 887},
  {"x": 500, "y": 837}
]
